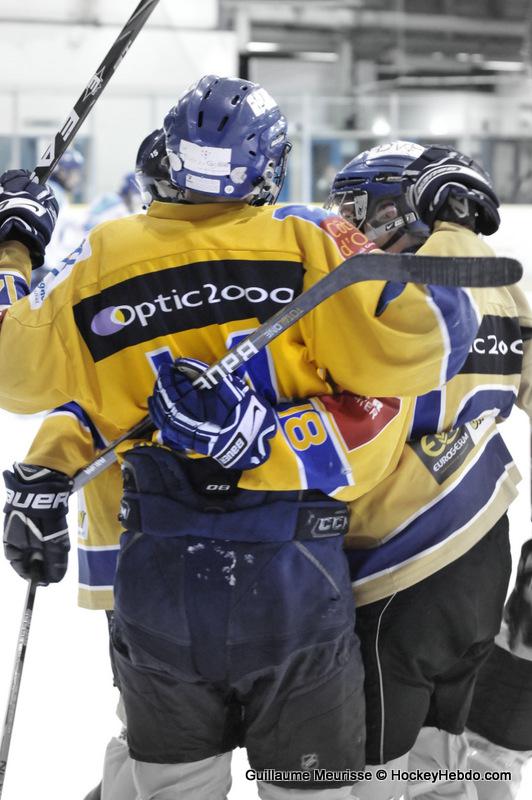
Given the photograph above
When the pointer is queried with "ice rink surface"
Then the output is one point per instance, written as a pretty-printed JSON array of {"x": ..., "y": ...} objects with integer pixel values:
[{"x": 65, "y": 714}]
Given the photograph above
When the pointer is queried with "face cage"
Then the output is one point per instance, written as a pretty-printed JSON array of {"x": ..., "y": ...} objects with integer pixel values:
[{"x": 352, "y": 205}]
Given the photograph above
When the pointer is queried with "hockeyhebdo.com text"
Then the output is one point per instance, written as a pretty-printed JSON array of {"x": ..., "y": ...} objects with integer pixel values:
[{"x": 346, "y": 776}]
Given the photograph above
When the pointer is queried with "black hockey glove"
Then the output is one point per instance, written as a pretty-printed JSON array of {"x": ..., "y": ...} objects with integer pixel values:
[
  {"x": 446, "y": 185},
  {"x": 28, "y": 213},
  {"x": 35, "y": 525}
]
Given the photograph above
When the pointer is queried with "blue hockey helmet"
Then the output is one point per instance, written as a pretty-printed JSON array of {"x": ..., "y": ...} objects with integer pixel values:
[
  {"x": 69, "y": 168},
  {"x": 152, "y": 170},
  {"x": 226, "y": 138},
  {"x": 370, "y": 191}
]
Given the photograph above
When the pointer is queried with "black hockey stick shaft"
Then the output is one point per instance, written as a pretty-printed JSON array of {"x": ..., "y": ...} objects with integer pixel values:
[
  {"x": 437, "y": 270},
  {"x": 17, "y": 673},
  {"x": 92, "y": 91}
]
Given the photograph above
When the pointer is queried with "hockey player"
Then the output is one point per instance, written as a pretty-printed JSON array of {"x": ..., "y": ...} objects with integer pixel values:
[
  {"x": 425, "y": 544},
  {"x": 66, "y": 441},
  {"x": 68, "y": 231},
  {"x": 67, "y": 176},
  {"x": 113, "y": 205},
  {"x": 260, "y": 596}
]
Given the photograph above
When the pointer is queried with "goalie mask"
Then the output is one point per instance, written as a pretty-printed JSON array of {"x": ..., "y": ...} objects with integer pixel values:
[
  {"x": 370, "y": 192},
  {"x": 226, "y": 139}
]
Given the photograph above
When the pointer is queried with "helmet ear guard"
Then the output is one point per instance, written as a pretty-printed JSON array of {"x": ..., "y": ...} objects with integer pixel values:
[{"x": 444, "y": 184}]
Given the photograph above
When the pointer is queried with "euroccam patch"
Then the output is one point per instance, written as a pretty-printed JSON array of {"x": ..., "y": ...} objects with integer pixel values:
[{"x": 59, "y": 274}]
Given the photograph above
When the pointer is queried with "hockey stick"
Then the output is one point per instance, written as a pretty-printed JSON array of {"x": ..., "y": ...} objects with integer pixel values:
[
  {"x": 92, "y": 91},
  {"x": 437, "y": 270},
  {"x": 42, "y": 172},
  {"x": 17, "y": 674}
]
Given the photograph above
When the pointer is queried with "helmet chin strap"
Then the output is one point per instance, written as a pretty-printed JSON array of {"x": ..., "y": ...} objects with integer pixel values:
[{"x": 398, "y": 230}]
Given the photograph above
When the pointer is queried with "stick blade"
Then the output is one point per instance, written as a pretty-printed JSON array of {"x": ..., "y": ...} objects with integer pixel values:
[{"x": 446, "y": 271}]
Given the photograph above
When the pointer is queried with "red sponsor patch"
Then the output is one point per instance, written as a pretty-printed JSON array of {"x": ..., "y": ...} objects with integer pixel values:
[
  {"x": 361, "y": 419},
  {"x": 348, "y": 239}
]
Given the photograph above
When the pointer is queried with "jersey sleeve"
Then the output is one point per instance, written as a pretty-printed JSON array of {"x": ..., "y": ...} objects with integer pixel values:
[
  {"x": 66, "y": 441},
  {"x": 377, "y": 338},
  {"x": 15, "y": 273},
  {"x": 42, "y": 320},
  {"x": 342, "y": 445}
]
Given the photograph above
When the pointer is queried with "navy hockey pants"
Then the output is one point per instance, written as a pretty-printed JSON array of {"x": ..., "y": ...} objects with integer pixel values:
[{"x": 227, "y": 641}]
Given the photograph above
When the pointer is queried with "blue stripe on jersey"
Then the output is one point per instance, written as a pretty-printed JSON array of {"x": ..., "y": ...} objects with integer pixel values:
[
  {"x": 12, "y": 288},
  {"x": 308, "y": 213},
  {"x": 314, "y": 447},
  {"x": 486, "y": 399},
  {"x": 427, "y": 412},
  {"x": 85, "y": 420},
  {"x": 97, "y": 567},
  {"x": 392, "y": 290},
  {"x": 460, "y": 320},
  {"x": 433, "y": 526}
]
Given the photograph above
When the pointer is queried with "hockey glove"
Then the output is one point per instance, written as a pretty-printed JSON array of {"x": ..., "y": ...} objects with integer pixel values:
[
  {"x": 229, "y": 422},
  {"x": 35, "y": 525},
  {"x": 446, "y": 185},
  {"x": 28, "y": 213}
]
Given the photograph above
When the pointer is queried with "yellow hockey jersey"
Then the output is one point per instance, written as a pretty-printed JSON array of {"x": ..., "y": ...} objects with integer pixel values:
[
  {"x": 143, "y": 289},
  {"x": 456, "y": 477},
  {"x": 190, "y": 280}
]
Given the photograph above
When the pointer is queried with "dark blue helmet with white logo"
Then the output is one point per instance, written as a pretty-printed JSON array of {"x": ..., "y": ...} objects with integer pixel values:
[
  {"x": 226, "y": 138},
  {"x": 152, "y": 170},
  {"x": 370, "y": 191}
]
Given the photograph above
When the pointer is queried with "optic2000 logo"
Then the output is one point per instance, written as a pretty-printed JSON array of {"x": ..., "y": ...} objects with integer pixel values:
[{"x": 112, "y": 319}]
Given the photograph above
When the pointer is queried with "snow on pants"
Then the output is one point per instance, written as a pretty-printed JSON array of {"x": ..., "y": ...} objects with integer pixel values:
[{"x": 223, "y": 640}]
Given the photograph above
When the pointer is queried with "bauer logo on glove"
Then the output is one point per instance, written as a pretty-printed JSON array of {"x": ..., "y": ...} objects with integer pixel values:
[{"x": 35, "y": 524}]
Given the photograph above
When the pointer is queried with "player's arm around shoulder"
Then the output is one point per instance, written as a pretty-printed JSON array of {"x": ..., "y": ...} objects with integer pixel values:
[{"x": 378, "y": 338}]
